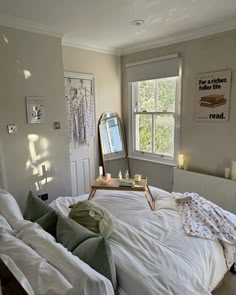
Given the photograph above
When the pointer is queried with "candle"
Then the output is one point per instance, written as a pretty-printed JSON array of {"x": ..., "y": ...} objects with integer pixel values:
[
  {"x": 227, "y": 172},
  {"x": 181, "y": 161},
  {"x": 100, "y": 171},
  {"x": 233, "y": 170}
]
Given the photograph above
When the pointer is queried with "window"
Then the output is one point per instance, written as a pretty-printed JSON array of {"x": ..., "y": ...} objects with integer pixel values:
[
  {"x": 155, "y": 107},
  {"x": 153, "y": 113}
]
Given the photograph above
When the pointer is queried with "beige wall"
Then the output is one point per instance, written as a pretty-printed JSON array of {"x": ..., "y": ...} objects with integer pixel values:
[
  {"x": 208, "y": 146},
  {"x": 106, "y": 69},
  {"x": 23, "y": 156}
]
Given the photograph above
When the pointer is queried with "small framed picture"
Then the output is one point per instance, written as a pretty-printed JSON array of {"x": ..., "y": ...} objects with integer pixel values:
[{"x": 35, "y": 108}]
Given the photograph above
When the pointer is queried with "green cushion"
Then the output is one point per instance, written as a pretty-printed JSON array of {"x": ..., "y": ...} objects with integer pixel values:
[
  {"x": 96, "y": 253},
  {"x": 70, "y": 234},
  {"x": 49, "y": 222},
  {"x": 92, "y": 216},
  {"x": 35, "y": 208},
  {"x": 88, "y": 246}
]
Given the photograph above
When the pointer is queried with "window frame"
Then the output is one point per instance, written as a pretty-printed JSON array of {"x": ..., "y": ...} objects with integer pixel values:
[{"x": 153, "y": 157}]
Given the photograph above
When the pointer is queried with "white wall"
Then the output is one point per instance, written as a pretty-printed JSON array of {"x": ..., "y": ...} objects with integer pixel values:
[
  {"x": 208, "y": 146},
  {"x": 42, "y": 56},
  {"x": 106, "y": 69}
]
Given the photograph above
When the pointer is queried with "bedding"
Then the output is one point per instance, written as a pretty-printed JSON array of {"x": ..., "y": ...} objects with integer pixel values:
[
  {"x": 81, "y": 276},
  {"x": 88, "y": 246},
  {"x": 47, "y": 265},
  {"x": 9, "y": 208},
  {"x": 4, "y": 225},
  {"x": 151, "y": 251},
  {"x": 18, "y": 274},
  {"x": 43, "y": 278}
]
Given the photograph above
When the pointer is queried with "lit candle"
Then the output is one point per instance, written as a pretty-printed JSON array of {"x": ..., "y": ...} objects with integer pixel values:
[
  {"x": 100, "y": 171},
  {"x": 233, "y": 171},
  {"x": 181, "y": 161},
  {"x": 227, "y": 172}
]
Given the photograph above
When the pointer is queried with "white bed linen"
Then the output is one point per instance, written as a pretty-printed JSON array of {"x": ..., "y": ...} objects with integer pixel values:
[
  {"x": 17, "y": 273},
  {"x": 6, "y": 226},
  {"x": 9, "y": 208},
  {"x": 43, "y": 278},
  {"x": 152, "y": 254},
  {"x": 83, "y": 278}
]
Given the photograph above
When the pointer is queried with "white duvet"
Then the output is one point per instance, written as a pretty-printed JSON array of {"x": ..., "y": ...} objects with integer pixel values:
[{"x": 152, "y": 254}]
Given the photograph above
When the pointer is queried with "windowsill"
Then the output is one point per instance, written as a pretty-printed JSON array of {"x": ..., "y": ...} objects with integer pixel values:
[{"x": 153, "y": 161}]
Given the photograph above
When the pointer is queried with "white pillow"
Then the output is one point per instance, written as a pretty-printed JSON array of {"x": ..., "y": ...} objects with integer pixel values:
[
  {"x": 9, "y": 208},
  {"x": 4, "y": 225},
  {"x": 158, "y": 193},
  {"x": 84, "y": 279},
  {"x": 43, "y": 278},
  {"x": 17, "y": 273}
]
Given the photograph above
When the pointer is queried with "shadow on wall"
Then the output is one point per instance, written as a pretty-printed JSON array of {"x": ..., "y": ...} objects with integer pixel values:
[{"x": 38, "y": 162}]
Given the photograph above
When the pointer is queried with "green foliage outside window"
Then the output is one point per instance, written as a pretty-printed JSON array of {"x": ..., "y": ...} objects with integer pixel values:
[{"x": 156, "y": 96}]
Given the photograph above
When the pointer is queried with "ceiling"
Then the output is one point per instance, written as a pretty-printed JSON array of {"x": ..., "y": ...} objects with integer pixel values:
[{"x": 105, "y": 25}]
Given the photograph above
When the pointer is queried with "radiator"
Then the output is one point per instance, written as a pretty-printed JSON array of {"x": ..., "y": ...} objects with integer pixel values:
[{"x": 219, "y": 190}]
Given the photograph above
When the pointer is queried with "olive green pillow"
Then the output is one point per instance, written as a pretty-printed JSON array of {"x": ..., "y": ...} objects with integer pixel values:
[
  {"x": 88, "y": 246},
  {"x": 49, "y": 222},
  {"x": 35, "y": 208},
  {"x": 93, "y": 217},
  {"x": 96, "y": 253},
  {"x": 70, "y": 234}
]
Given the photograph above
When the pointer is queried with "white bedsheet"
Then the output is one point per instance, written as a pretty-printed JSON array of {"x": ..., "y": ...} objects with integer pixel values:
[
  {"x": 152, "y": 254},
  {"x": 81, "y": 276}
]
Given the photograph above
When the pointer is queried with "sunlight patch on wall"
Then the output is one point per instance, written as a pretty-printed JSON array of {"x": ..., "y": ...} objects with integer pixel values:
[
  {"x": 27, "y": 74},
  {"x": 5, "y": 39},
  {"x": 38, "y": 161}
]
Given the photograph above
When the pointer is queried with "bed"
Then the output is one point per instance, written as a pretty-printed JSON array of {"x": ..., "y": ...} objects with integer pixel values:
[{"x": 151, "y": 252}]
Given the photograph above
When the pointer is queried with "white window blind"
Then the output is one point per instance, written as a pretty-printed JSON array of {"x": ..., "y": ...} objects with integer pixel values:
[{"x": 155, "y": 68}]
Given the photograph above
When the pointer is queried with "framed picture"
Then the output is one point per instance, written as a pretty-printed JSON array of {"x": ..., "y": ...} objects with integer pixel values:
[
  {"x": 35, "y": 108},
  {"x": 213, "y": 96}
]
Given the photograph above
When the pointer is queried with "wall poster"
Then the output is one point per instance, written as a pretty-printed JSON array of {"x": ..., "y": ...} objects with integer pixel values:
[
  {"x": 213, "y": 96},
  {"x": 35, "y": 107}
]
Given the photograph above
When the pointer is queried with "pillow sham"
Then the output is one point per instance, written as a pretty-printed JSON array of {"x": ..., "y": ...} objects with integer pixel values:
[
  {"x": 96, "y": 253},
  {"x": 83, "y": 278},
  {"x": 9, "y": 208},
  {"x": 43, "y": 278},
  {"x": 35, "y": 208},
  {"x": 70, "y": 233},
  {"x": 92, "y": 216},
  {"x": 49, "y": 222},
  {"x": 88, "y": 246}
]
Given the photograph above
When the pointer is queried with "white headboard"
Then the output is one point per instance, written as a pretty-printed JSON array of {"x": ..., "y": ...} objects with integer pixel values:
[{"x": 219, "y": 190}]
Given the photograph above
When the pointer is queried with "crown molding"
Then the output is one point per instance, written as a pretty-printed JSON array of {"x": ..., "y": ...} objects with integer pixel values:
[
  {"x": 20, "y": 24},
  {"x": 181, "y": 37},
  {"x": 107, "y": 50}
]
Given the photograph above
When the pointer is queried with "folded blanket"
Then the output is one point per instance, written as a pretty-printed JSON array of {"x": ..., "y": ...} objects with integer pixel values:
[{"x": 204, "y": 219}]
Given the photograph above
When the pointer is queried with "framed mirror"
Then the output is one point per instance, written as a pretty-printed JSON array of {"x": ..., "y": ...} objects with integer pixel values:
[{"x": 113, "y": 145}]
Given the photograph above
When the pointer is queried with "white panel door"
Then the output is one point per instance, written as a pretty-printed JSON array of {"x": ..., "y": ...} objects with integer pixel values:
[
  {"x": 82, "y": 168},
  {"x": 82, "y": 156}
]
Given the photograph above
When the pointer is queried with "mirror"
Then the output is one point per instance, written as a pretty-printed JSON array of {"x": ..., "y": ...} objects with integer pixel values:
[{"x": 113, "y": 145}]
